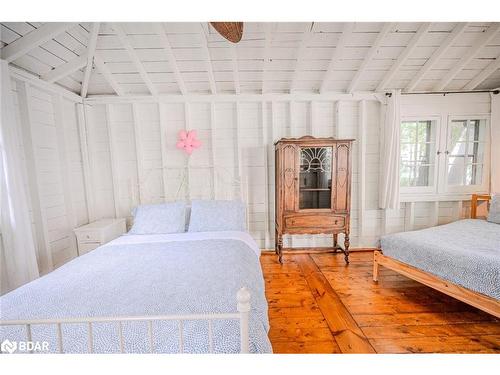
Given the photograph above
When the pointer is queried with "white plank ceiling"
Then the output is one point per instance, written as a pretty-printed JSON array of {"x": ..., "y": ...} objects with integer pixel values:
[{"x": 191, "y": 58}]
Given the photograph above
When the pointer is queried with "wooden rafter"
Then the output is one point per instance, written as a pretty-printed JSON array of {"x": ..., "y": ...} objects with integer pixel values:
[
  {"x": 267, "y": 46},
  {"x": 91, "y": 46},
  {"x": 370, "y": 55},
  {"x": 457, "y": 31},
  {"x": 306, "y": 37},
  {"x": 208, "y": 61},
  {"x": 162, "y": 32},
  {"x": 422, "y": 30},
  {"x": 101, "y": 66},
  {"x": 483, "y": 74},
  {"x": 33, "y": 39},
  {"x": 135, "y": 59},
  {"x": 65, "y": 69},
  {"x": 480, "y": 43},
  {"x": 337, "y": 54}
]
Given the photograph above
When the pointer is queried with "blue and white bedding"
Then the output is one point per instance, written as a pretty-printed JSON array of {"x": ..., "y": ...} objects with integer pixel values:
[
  {"x": 182, "y": 273},
  {"x": 466, "y": 252}
]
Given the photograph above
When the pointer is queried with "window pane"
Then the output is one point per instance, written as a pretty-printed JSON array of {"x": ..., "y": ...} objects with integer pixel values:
[
  {"x": 417, "y": 153},
  {"x": 456, "y": 170},
  {"x": 405, "y": 175},
  {"x": 422, "y": 175},
  {"x": 408, "y": 132},
  {"x": 474, "y": 174},
  {"x": 466, "y": 152},
  {"x": 315, "y": 177},
  {"x": 458, "y": 131}
]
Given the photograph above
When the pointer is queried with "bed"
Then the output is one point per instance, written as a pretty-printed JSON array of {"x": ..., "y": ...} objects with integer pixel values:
[
  {"x": 461, "y": 259},
  {"x": 161, "y": 293}
]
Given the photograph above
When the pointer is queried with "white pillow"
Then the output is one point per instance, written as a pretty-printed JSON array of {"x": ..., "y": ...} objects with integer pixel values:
[
  {"x": 213, "y": 216},
  {"x": 159, "y": 218}
]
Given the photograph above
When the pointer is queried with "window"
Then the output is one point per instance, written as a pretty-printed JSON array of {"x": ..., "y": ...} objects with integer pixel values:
[
  {"x": 443, "y": 159},
  {"x": 417, "y": 153},
  {"x": 465, "y": 152}
]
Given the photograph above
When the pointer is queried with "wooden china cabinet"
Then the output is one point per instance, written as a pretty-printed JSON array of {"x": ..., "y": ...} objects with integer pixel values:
[{"x": 313, "y": 188}]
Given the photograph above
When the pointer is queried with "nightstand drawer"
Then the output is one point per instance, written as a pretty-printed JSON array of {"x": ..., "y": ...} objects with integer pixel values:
[
  {"x": 84, "y": 248},
  {"x": 89, "y": 236}
]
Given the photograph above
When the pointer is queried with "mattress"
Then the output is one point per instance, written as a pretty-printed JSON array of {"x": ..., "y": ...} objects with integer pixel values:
[
  {"x": 135, "y": 275},
  {"x": 465, "y": 252}
]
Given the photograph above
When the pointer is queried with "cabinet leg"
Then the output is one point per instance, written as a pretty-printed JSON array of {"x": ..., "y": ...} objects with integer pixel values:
[
  {"x": 279, "y": 248},
  {"x": 346, "y": 248},
  {"x": 335, "y": 242}
]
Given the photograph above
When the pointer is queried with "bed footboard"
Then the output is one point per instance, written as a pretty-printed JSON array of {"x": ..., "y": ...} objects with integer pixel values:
[
  {"x": 243, "y": 308},
  {"x": 478, "y": 300}
]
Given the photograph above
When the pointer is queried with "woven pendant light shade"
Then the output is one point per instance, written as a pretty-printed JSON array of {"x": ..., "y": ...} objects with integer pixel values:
[{"x": 232, "y": 31}]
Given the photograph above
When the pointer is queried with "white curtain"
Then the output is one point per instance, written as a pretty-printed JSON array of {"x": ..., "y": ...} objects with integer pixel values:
[
  {"x": 495, "y": 143},
  {"x": 389, "y": 179},
  {"x": 19, "y": 252}
]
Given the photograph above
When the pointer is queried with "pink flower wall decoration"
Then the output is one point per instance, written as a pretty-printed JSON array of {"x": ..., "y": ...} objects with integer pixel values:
[{"x": 187, "y": 141}]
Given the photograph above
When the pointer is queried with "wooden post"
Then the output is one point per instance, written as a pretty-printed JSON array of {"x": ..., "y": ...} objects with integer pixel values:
[
  {"x": 163, "y": 144},
  {"x": 375, "y": 266},
  {"x": 64, "y": 164},
  {"x": 266, "y": 176},
  {"x": 139, "y": 157},
  {"x": 243, "y": 297},
  {"x": 86, "y": 161},
  {"x": 113, "y": 160},
  {"x": 44, "y": 253},
  {"x": 213, "y": 146}
]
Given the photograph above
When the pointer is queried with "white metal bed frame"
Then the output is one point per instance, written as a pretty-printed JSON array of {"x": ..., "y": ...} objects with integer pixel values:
[
  {"x": 243, "y": 308},
  {"x": 243, "y": 298}
]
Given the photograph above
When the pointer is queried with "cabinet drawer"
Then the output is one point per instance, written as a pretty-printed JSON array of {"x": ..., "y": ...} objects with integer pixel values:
[
  {"x": 315, "y": 221},
  {"x": 89, "y": 236}
]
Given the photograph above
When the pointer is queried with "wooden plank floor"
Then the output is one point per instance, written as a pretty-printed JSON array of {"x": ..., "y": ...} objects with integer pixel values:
[{"x": 318, "y": 305}]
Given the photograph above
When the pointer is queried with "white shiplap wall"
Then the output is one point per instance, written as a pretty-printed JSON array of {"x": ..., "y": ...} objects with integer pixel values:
[
  {"x": 127, "y": 152},
  {"x": 53, "y": 170},
  {"x": 125, "y": 143}
]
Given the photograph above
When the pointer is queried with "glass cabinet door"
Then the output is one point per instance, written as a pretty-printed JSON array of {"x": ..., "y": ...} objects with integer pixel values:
[{"x": 315, "y": 178}]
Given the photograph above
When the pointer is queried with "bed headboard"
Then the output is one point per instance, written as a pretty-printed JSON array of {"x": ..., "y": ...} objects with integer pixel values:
[{"x": 476, "y": 199}]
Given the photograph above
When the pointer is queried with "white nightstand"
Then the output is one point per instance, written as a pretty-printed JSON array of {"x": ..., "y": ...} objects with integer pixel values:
[{"x": 97, "y": 233}]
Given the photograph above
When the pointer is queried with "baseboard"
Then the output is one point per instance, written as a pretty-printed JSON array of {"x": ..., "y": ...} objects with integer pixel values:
[{"x": 316, "y": 250}]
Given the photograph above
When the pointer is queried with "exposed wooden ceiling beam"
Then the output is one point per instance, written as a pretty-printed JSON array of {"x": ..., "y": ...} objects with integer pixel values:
[
  {"x": 208, "y": 60},
  {"x": 481, "y": 42},
  {"x": 34, "y": 39},
  {"x": 386, "y": 29},
  {"x": 236, "y": 72},
  {"x": 306, "y": 37},
  {"x": 337, "y": 54},
  {"x": 135, "y": 59},
  {"x": 91, "y": 46},
  {"x": 101, "y": 66},
  {"x": 422, "y": 30},
  {"x": 67, "y": 68},
  {"x": 457, "y": 31},
  {"x": 268, "y": 34},
  {"x": 162, "y": 32},
  {"x": 481, "y": 76}
]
